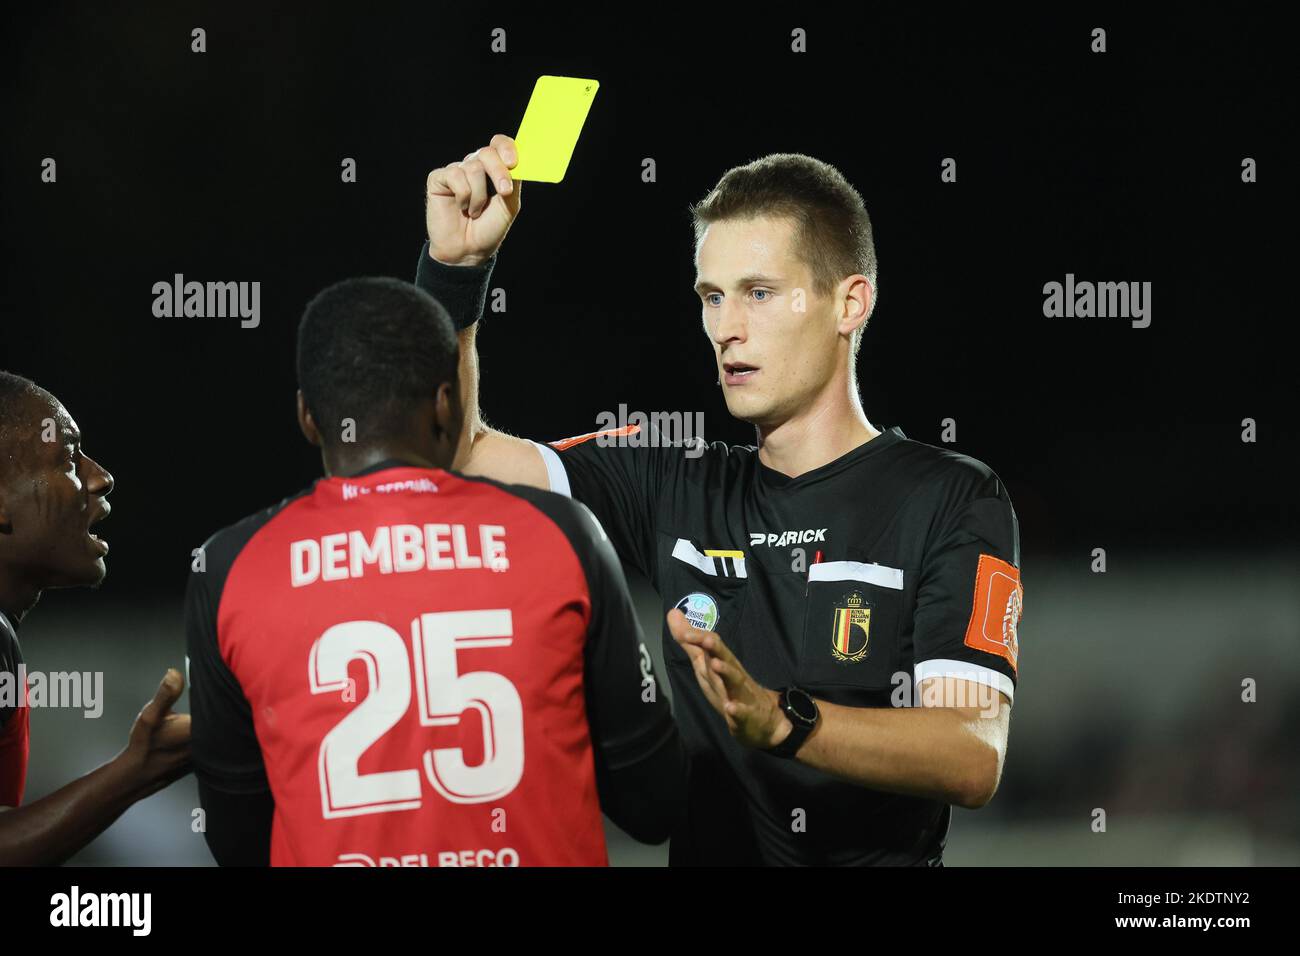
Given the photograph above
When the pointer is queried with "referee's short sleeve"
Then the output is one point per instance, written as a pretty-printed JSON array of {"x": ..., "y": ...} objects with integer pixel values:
[
  {"x": 619, "y": 474},
  {"x": 970, "y": 597}
]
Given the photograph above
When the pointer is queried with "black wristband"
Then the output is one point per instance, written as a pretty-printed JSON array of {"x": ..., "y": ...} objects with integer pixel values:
[{"x": 462, "y": 290}]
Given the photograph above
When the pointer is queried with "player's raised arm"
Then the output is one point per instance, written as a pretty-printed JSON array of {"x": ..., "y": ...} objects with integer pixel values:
[
  {"x": 469, "y": 207},
  {"x": 620, "y": 481}
]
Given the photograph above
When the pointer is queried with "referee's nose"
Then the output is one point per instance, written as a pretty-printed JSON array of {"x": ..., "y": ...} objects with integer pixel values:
[{"x": 732, "y": 327}]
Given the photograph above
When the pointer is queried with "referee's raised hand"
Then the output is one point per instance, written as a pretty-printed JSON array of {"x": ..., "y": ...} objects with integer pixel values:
[
  {"x": 751, "y": 711},
  {"x": 470, "y": 205}
]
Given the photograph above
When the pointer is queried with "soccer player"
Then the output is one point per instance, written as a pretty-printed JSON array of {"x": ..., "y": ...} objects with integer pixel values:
[
  {"x": 843, "y": 601},
  {"x": 402, "y": 666},
  {"x": 51, "y": 494}
]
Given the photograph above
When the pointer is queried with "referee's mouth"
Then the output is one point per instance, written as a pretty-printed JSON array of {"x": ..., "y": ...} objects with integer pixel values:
[{"x": 738, "y": 373}]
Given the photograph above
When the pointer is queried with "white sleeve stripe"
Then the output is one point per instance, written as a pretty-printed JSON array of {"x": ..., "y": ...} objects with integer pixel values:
[
  {"x": 555, "y": 473},
  {"x": 965, "y": 670}
]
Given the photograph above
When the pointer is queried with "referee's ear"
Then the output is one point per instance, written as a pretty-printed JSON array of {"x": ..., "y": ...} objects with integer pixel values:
[{"x": 306, "y": 422}]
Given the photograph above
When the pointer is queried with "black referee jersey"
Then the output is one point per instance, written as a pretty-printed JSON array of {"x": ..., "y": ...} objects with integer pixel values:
[{"x": 896, "y": 562}]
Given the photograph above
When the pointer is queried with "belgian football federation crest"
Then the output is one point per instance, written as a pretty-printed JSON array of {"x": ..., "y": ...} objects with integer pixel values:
[{"x": 852, "y": 628}]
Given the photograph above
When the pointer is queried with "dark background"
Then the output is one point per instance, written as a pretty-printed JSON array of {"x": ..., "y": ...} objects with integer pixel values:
[{"x": 1123, "y": 166}]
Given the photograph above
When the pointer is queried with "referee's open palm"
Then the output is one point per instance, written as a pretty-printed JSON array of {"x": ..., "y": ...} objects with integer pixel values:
[
  {"x": 467, "y": 221},
  {"x": 749, "y": 709}
]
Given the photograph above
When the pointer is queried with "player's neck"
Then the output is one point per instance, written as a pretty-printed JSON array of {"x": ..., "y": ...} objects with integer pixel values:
[
  {"x": 829, "y": 428},
  {"x": 17, "y": 597},
  {"x": 350, "y": 461}
]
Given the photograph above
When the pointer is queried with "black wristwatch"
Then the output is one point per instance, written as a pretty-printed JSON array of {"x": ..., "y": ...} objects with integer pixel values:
[{"x": 802, "y": 712}]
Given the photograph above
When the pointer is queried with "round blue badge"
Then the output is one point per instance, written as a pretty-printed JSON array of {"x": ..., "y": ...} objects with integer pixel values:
[{"x": 701, "y": 611}]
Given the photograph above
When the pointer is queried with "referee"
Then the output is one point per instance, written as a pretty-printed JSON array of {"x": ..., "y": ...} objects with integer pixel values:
[{"x": 843, "y": 601}]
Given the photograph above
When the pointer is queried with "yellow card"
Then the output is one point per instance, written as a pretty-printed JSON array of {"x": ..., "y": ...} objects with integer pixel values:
[{"x": 552, "y": 123}]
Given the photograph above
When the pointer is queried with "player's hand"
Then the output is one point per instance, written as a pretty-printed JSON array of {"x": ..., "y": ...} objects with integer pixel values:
[
  {"x": 158, "y": 749},
  {"x": 470, "y": 205},
  {"x": 750, "y": 710}
]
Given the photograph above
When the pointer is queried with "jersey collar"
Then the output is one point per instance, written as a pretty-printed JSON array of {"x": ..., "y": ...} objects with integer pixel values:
[
  {"x": 384, "y": 465},
  {"x": 886, "y": 439}
]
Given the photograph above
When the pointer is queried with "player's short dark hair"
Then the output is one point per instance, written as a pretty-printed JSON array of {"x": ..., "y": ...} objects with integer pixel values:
[
  {"x": 833, "y": 229},
  {"x": 370, "y": 349},
  {"x": 14, "y": 390}
]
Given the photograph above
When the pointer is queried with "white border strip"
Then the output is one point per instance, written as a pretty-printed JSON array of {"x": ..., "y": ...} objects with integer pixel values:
[
  {"x": 964, "y": 670},
  {"x": 876, "y": 574},
  {"x": 683, "y": 550},
  {"x": 555, "y": 473}
]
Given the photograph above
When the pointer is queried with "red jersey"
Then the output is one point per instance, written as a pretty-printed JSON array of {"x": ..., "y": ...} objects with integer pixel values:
[
  {"x": 15, "y": 742},
  {"x": 402, "y": 658}
]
